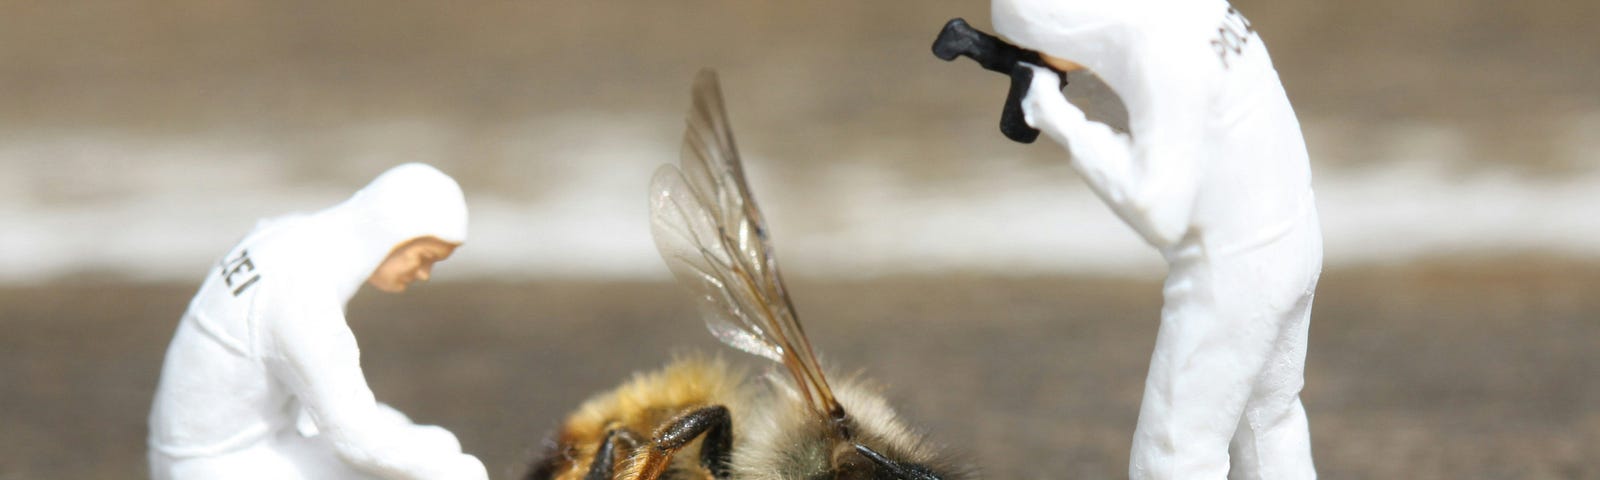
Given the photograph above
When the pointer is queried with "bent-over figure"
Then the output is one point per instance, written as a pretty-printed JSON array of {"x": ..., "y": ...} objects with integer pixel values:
[{"x": 263, "y": 378}]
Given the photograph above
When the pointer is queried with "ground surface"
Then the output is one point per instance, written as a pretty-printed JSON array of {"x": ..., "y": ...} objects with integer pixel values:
[
  {"x": 1490, "y": 370},
  {"x": 1424, "y": 372}
]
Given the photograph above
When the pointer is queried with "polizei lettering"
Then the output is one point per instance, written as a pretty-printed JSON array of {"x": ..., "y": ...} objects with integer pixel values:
[
  {"x": 239, "y": 273},
  {"x": 1232, "y": 36}
]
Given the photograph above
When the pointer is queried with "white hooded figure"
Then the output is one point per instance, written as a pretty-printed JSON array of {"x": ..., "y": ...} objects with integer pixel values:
[
  {"x": 263, "y": 378},
  {"x": 1213, "y": 172}
]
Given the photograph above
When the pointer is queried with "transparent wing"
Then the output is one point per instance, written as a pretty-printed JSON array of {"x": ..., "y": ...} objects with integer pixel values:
[
  {"x": 688, "y": 238},
  {"x": 713, "y": 237}
]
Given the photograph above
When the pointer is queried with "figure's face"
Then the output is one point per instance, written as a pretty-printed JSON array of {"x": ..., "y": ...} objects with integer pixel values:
[
  {"x": 1061, "y": 64},
  {"x": 412, "y": 261}
]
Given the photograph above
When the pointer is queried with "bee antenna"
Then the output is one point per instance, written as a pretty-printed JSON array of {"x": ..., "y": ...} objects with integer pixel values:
[
  {"x": 900, "y": 471},
  {"x": 841, "y": 423}
]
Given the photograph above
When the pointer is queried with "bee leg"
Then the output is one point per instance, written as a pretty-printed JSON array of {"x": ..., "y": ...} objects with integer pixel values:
[
  {"x": 605, "y": 459},
  {"x": 716, "y": 448},
  {"x": 713, "y": 422}
]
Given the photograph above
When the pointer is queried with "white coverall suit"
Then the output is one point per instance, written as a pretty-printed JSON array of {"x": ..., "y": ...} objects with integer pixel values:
[
  {"x": 1214, "y": 173},
  {"x": 265, "y": 342}
]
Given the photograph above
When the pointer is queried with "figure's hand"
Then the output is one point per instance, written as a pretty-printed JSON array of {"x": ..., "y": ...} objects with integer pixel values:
[
  {"x": 1044, "y": 102},
  {"x": 456, "y": 466},
  {"x": 467, "y": 467},
  {"x": 433, "y": 466},
  {"x": 431, "y": 438}
]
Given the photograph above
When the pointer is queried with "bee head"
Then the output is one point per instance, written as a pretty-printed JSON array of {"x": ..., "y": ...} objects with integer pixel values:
[
  {"x": 878, "y": 447},
  {"x": 787, "y": 440}
]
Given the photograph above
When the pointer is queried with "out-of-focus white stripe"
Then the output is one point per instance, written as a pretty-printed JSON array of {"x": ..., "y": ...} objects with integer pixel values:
[{"x": 118, "y": 208}]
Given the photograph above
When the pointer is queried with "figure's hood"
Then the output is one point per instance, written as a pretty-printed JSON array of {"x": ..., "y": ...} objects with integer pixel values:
[
  {"x": 1112, "y": 38},
  {"x": 1092, "y": 33},
  {"x": 408, "y": 201},
  {"x": 346, "y": 243}
]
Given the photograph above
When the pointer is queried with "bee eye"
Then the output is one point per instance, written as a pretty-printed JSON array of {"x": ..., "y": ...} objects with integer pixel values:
[{"x": 891, "y": 470}]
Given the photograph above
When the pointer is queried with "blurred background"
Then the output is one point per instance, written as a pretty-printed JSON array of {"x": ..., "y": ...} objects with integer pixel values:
[{"x": 1454, "y": 143}]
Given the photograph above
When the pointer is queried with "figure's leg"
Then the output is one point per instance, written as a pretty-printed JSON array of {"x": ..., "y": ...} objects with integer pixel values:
[
  {"x": 713, "y": 422},
  {"x": 1243, "y": 458},
  {"x": 1279, "y": 450},
  {"x": 286, "y": 456},
  {"x": 1207, "y": 356},
  {"x": 1274, "y": 438}
]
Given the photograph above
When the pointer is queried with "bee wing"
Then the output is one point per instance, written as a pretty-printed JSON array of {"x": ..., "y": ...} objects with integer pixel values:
[
  {"x": 689, "y": 240},
  {"x": 714, "y": 239}
]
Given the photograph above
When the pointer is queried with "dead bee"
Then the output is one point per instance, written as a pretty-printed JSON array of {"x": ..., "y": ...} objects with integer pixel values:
[{"x": 713, "y": 237}]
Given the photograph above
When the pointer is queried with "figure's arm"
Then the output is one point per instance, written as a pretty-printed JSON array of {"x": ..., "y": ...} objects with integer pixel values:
[
  {"x": 315, "y": 355},
  {"x": 1151, "y": 183}
]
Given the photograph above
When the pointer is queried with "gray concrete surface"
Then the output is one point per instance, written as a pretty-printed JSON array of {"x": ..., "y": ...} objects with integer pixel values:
[{"x": 1423, "y": 372}]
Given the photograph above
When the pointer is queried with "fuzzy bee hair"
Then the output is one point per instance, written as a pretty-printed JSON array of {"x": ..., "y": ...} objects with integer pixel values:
[{"x": 784, "y": 441}]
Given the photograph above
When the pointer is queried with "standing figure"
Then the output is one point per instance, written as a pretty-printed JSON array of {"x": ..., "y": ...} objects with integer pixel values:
[
  {"x": 1213, "y": 172},
  {"x": 263, "y": 378}
]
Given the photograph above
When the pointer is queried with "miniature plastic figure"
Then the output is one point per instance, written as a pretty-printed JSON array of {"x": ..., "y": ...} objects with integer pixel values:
[
  {"x": 1214, "y": 173},
  {"x": 263, "y": 378}
]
